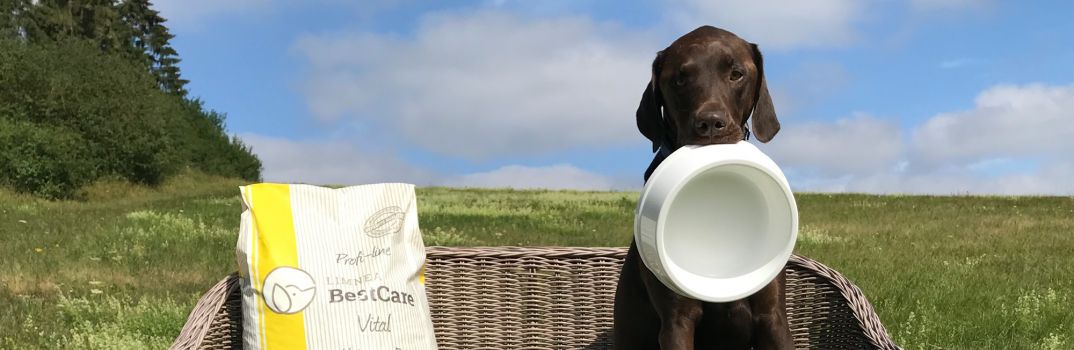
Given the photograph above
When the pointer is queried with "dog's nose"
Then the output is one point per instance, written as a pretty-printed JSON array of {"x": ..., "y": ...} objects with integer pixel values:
[{"x": 710, "y": 124}]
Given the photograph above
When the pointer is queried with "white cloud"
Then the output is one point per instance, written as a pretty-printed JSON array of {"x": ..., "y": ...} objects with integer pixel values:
[
  {"x": 482, "y": 84},
  {"x": 983, "y": 150},
  {"x": 777, "y": 24},
  {"x": 1006, "y": 121},
  {"x": 1053, "y": 179},
  {"x": 561, "y": 176},
  {"x": 485, "y": 83},
  {"x": 966, "y": 152},
  {"x": 856, "y": 145},
  {"x": 330, "y": 162},
  {"x": 343, "y": 163}
]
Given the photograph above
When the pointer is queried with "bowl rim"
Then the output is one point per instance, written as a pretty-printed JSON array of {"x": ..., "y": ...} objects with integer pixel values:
[{"x": 771, "y": 171}]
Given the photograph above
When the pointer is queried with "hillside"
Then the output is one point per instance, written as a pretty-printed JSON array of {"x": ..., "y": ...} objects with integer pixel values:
[{"x": 123, "y": 269}]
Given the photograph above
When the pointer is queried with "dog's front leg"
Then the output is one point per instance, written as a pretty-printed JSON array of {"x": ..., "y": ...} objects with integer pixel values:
[
  {"x": 679, "y": 315},
  {"x": 677, "y": 327},
  {"x": 771, "y": 328}
]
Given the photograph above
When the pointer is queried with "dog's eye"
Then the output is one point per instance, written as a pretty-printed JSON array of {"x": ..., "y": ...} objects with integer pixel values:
[
  {"x": 736, "y": 75},
  {"x": 680, "y": 79},
  {"x": 685, "y": 75}
]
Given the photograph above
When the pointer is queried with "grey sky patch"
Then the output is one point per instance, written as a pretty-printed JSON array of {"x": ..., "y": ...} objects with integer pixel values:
[
  {"x": 331, "y": 162},
  {"x": 855, "y": 145},
  {"x": 776, "y": 24},
  {"x": 957, "y": 63},
  {"x": 189, "y": 15},
  {"x": 560, "y": 176},
  {"x": 343, "y": 163},
  {"x": 949, "y": 5}
]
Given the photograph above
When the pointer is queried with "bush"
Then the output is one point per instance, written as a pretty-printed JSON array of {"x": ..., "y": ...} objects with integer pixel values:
[
  {"x": 111, "y": 102},
  {"x": 73, "y": 99},
  {"x": 51, "y": 162},
  {"x": 211, "y": 150}
]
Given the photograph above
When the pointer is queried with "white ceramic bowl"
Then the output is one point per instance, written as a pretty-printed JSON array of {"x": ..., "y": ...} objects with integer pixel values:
[{"x": 716, "y": 223}]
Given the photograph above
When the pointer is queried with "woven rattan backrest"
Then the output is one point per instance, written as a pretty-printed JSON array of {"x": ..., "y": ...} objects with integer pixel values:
[
  {"x": 515, "y": 299},
  {"x": 560, "y": 298}
]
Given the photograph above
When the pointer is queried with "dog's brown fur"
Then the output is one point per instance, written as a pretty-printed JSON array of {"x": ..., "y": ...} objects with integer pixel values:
[{"x": 708, "y": 83}]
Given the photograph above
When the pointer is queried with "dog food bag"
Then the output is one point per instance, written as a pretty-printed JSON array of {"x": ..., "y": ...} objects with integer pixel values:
[{"x": 338, "y": 269}]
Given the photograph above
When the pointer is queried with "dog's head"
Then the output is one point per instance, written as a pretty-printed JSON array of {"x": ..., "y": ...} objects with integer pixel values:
[{"x": 708, "y": 83}]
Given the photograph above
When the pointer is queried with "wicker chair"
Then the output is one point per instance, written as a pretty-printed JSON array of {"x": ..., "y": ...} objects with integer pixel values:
[{"x": 559, "y": 298}]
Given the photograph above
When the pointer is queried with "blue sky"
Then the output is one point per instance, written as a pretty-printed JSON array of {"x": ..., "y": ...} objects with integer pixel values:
[{"x": 884, "y": 96}]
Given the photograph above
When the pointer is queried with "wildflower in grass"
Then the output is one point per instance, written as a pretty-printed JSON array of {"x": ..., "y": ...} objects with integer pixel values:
[{"x": 39, "y": 250}]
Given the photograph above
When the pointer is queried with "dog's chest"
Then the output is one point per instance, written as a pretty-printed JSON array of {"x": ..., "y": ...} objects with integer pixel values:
[{"x": 725, "y": 326}]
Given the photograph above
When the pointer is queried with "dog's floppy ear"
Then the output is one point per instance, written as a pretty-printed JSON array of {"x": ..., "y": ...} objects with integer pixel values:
[
  {"x": 650, "y": 118},
  {"x": 765, "y": 124}
]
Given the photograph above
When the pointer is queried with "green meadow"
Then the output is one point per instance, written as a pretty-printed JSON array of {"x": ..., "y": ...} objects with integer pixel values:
[{"x": 122, "y": 267}]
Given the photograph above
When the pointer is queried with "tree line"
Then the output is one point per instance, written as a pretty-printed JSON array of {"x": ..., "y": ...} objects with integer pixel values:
[{"x": 91, "y": 89}]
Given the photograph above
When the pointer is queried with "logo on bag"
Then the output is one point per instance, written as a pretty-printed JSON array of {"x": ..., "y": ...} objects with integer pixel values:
[
  {"x": 287, "y": 290},
  {"x": 385, "y": 222}
]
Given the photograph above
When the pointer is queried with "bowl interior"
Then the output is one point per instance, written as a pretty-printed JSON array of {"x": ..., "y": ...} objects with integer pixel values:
[{"x": 726, "y": 221}]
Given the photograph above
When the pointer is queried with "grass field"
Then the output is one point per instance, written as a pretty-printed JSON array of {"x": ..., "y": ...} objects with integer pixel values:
[{"x": 122, "y": 269}]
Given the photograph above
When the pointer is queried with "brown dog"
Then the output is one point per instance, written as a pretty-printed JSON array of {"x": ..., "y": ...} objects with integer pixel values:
[{"x": 708, "y": 83}]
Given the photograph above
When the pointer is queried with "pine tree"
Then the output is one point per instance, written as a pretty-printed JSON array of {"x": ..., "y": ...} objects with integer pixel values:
[
  {"x": 96, "y": 20},
  {"x": 59, "y": 94},
  {"x": 9, "y": 25},
  {"x": 148, "y": 36},
  {"x": 126, "y": 27},
  {"x": 18, "y": 18}
]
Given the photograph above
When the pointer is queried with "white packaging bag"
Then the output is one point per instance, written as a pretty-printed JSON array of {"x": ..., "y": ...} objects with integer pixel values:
[{"x": 332, "y": 268}]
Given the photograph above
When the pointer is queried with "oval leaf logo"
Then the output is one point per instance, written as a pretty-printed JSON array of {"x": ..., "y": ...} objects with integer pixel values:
[
  {"x": 384, "y": 222},
  {"x": 287, "y": 290}
]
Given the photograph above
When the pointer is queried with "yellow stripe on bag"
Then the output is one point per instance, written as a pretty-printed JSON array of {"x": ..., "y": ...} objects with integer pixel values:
[{"x": 276, "y": 247}]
